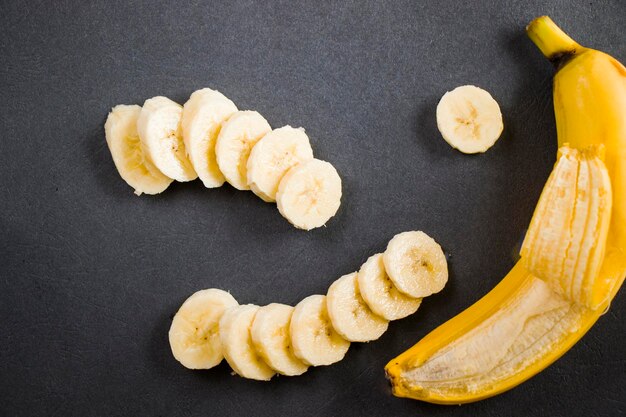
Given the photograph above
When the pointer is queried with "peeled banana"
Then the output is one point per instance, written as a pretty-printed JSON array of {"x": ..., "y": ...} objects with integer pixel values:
[
  {"x": 271, "y": 158},
  {"x": 202, "y": 118},
  {"x": 259, "y": 342},
  {"x": 130, "y": 158},
  {"x": 469, "y": 119},
  {"x": 159, "y": 128},
  {"x": 573, "y": 259},
  {"x": 211, "y": 139}
]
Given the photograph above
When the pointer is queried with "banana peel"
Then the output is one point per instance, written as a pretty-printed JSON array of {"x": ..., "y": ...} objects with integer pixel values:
[{"x": 558, "y": 289}]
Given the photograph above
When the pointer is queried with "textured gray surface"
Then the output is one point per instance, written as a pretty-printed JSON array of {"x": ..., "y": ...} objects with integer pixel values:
[{"x": 90, "y": 275}]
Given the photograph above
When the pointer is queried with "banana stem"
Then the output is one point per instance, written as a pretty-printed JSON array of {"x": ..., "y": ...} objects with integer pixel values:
[{"x": 551, "y": 40}]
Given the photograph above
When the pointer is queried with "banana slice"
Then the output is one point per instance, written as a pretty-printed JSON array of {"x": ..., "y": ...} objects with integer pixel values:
[
  {"x": 160, "y": 132},
  {"x": 133, "y": 164},
  {"x": 309, "y": 194},
  {"x": 236, "y": 139},
  {"x": 271, "y": 338},
  {"x": 271, "y": 158},
  {"x": 314, "y": 340},
  {"x": 416, "y": 264},
  {"x": 350, "y": 315},
  {"x": 379, "y": 293},
  {"x": 469, "y": 119},
  {"x": 203, "y": 116},
  {"x": 239, "y": 350},
  {"x": 194, "y": 336}
]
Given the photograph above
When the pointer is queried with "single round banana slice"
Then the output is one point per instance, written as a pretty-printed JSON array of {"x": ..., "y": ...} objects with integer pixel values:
[
  {"x": 272, "y": 340},
  {"x": 203, "y": 116},
  {"x": 313, "y": 338},
  {"x": 271, "y": 158},
  {"x": 469, "y": 119},
  {"x": 379, "y": 293},
  {"x": 309, "y": 194},
  {"x": 416, "y": 264},
  {"x": 160, "y": 132},
  {"x": 133, "y": 164},
  {"x": 239, "y": 350},
  {"x": 237, "y": 137},
  {"x": 194, "y": 334},
  {"x": 350, "y": 315}
]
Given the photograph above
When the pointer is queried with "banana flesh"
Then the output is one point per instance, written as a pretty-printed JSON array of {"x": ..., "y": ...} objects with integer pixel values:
[
  {"x": 469, "y": 119},
  {"x": 210, "y": 139},
  {"x": 131, "y": 160},
  {"x": 309, "y": 194},
  {"x": 571, "y": 265},
  {"x": 202, "y": 118},
  {"x": 159, "y": 128},
  {"x": 258, "y": 342}
]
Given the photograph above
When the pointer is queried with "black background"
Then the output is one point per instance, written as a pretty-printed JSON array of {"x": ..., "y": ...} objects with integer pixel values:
[{"x": 90, "y": 275}]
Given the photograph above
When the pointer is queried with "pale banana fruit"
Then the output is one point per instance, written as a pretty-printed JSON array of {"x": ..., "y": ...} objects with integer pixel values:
[
  {"x": 380, "y": 294},
  {"x": 527, "y": 322},
  {"x": 160, "y": 132},
  {"x": 271, "y": 158},
  {"x": 566, "y": 239},
  {"x": 350, "y": 316},
  {"x": 313, "y": 337},
  {"x": 131, "y": 161},
  {"x": 194, "y": 334},
  {"x": 469, "y": 119},
  {"x": 309, "y": 194},
  {"x": 237, "y": 137},
  {"x": 416, "y": 264},
  {"x": 272, "y": 340},
  {"x": 235, "y": 327},
  {"x": 203, "y": 116}
]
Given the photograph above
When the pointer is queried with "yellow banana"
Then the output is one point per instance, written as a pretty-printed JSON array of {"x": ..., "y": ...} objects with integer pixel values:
[{"x": 573, "y": 258}]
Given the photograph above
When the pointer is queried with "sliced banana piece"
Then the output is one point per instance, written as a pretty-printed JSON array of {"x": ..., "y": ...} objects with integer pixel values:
[
  {"x": 350, "y": 315},
  {"x": 271, "y": 158},
  {"x": 160, "y": 132},
  {"x": 239, "y": 350},
  {"x": 379, "y": 293},
  {"x": 133, "y": 164},
  {"x": 309, "y": 194},
  {"x": 237, "y": 137},
  {"x": 194, "y": 333},
  {"x": 314, "y": 340},
  {"x": 203, "y": 116},
  {"x": 416, "y": 264},
  {"x": 272, "y": 340},
  {"x": 469, "y": 119}
]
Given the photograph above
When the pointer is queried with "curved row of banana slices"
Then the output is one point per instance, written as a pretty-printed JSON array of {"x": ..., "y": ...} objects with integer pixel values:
[
  {"x": 259, "y": 342},
  {"x": 210, "y": 139}
]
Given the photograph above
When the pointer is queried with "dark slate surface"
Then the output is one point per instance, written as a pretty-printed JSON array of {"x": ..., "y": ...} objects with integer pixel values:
[{"x": 91, "y": 275}]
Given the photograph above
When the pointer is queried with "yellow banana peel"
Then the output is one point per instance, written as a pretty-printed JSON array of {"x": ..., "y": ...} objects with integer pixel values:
[{"x": 573, "y": 260}]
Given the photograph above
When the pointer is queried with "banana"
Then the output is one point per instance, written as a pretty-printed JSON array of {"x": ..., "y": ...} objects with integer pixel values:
[
  {"x": 469, "y": 119},
  {"x": 416, "y": 264},
  {"x": 272, "y": 340},
  {"x": 379, "y": 293},
  {"x": 573, "y": 212},
  {"x": 132, "y": 163},
  {"x": 309, "y": 194},
  {"x": 313, "y": 338},
  {"x": 349, "y": 314},
  {"x": 159, "y": 128},
  {"x": 203, "y": 116},
  {"x": 237, "y": 137},
  {"x": 235, "y": 326},
  {"x": 271, "y": 158},
  {"x": 194, "y": 337},
  {"x": 527, "y": 322}
]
